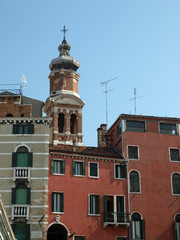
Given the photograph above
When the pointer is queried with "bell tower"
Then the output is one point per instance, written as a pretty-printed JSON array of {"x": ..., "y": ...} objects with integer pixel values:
[{"x": 64, "y": 104}]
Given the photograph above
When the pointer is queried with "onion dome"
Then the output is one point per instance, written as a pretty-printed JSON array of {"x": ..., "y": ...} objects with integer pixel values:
[{"x": 64, "y": 61}]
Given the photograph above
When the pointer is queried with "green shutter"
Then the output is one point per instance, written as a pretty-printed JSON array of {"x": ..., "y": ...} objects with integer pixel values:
[
  {"x": 22, "y": 159},
  {"x": 14, "y": 159},
  {"x": 83, "y": 168},
  {"x": 105, "y": 203},
  {"x": 73, "y": 167},
  {"x": 13, "y": 196},
  {"x": 142, "y": 224},
  {"x": 28, "y": 195},
  {"x": 21, "y": 196},
  {"x": 15, "y": 129},
  {"x": 84, "y": 238},
  {"x": 122, "y": 204},
  {"x": 27, "y": 231},
  {"x": 52, "y": 166},
  {"x": 90, "y": 204},
  {"x": 53, "y": 202},
  {"x": 62, "y": 202},
  {"x": 124, "y": 171},
  {"x": 30, "y": 159},
  {"x": 31, "y": 128},
  {"x": 98, "y": 204},
  {"x": 63, "y": 167}
]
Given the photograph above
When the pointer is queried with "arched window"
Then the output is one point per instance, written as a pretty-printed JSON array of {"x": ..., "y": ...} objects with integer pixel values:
[
  {"x": 176, "y": 183},
  {"x": 21, "y": 194},
  {"x": 22, "y": 158},
  {"x": 9, "y": 115},
  {"x": 177, "y": 226},
  {"x": 137, "y": 227},
  {"x": 73, "y": 124},
  {"x": 61, "y": 123},
  {"x": 134, "y": 182}
]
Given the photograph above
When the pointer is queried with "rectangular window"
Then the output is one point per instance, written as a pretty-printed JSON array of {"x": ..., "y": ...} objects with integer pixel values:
[
  {"x": 166, "y": 128},
  {"x": 135, "y": 126},
  {"x": 133, "y": 152},
  {"x": 58, "y": 202},
  {"x": 22, "y": 159},
  {"x": 23, "y": 128},
  {"x": 79, "y": 238},
  {"x": 174, "y": 154},
  {"x": 94, "y": 204},
  {"x": 120, "y": 171},
  {"x": 78, "y": 168},
  {"x": 114, "y": 210},
  {"x": 93, "y": 170},
  {"x": 21, "y": 231},
  {"x": 57, "y": 166}
]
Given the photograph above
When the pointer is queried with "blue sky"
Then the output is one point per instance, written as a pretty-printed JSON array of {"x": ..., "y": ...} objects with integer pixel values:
[{"x": 135, "y": 41}]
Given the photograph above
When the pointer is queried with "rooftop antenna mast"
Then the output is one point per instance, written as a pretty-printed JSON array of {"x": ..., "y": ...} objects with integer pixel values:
[
  {"x": 135, "y": 100},
  {"x": 105, "y": 83}
]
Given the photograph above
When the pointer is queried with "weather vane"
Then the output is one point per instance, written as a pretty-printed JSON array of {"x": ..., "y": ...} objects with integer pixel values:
[{"x": 64, "y": 30}]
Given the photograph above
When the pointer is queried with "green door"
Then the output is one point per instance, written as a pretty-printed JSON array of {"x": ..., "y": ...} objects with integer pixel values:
[{"x": 22, "y": 160}]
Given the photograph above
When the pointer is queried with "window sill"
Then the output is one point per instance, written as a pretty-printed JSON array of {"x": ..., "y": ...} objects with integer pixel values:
[
  {"x": 58, "y": 174},
  {"x": 136, "y": 193},
  {"x": 173, "y": 161},
  {"x": 120, "y": 178},
  {"x": 94, "y": 177},
  {"x": 94, "y": 215},
  {"x": 79, "y": 175},
  {"x": 57, "y": 212}
]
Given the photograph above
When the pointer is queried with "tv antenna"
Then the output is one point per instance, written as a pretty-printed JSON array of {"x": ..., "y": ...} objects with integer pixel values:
[
  {"x": 135, "y": 99},
  {"x": 105, "y": 83},
  {"x": 24, "y": 83}
]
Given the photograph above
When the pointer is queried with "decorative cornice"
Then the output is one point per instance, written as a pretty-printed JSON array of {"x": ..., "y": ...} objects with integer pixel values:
[{"x": 13, "y": 120}]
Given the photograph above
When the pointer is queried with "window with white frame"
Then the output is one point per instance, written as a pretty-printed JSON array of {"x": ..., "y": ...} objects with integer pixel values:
[
  {"x": 168, "y": 128},
  {"x": 93, "y": 169},
  {"x": 133, "y": 152},
  {"x": 176, "y": 183},
  {"x": 134, "y": 182},
  {"x": 94, "y": 204},
  {"x": 57, "y": 166},
  {"x": 137, "y": 227},
  {"x": 78, "y": 168},
  {"x": 58, "y": 202},
  {"x": 177, "y": 226},
  {"x": 119, "y": 171},
  {"x": 174, "y": 155}
]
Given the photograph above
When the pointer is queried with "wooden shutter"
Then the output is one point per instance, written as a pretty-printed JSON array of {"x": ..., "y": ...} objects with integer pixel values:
[
  {"x": 83, "y": 168},
  {"x": 105, "y": 208},
  {"x": 15, "y": 128},
  {"x": 62, "y": 202},
  {"x": 13, "y": 196},
  {"x": 28, "y": 195},
  {"x": 63, "y": 166},
  {"x": 98, "y": 204},
  {"x": 73, "y": 167},
  {"x": 142, "y": 226},
  {"x": 52, "y": 166},
  {"x": 31, "y": 128},
  {"x": 53, "y": 194},
  {"x": 90, "y": 204},
  {"x": 27, "y": 231},
  {"x": 30, "y": 159},
  {"x": 14, "y": 159},
  {"x": 124, "y": 171}
]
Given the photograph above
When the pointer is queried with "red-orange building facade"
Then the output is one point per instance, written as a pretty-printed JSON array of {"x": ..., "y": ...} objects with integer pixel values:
[{"x": 152, "y": 147}]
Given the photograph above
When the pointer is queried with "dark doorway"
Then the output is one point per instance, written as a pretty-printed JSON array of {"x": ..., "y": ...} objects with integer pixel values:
[{"x": 57, "y": 232}]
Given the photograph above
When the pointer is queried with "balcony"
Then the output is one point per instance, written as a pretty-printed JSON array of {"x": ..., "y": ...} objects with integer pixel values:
[
  {"x": 21, "y": 173},
  {"x": 20, "y": 211},
  {"x": 116, "y": 219}
]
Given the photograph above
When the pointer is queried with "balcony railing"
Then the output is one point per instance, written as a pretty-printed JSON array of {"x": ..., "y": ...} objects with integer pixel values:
[
  {"x": 20, "y": 211},
  {"x": 115, "y": 218},
  {"x": 21, "y": 173}
]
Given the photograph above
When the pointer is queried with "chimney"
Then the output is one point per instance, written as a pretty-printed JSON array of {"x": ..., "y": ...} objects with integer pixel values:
[{"x": 101, "y": 131}]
